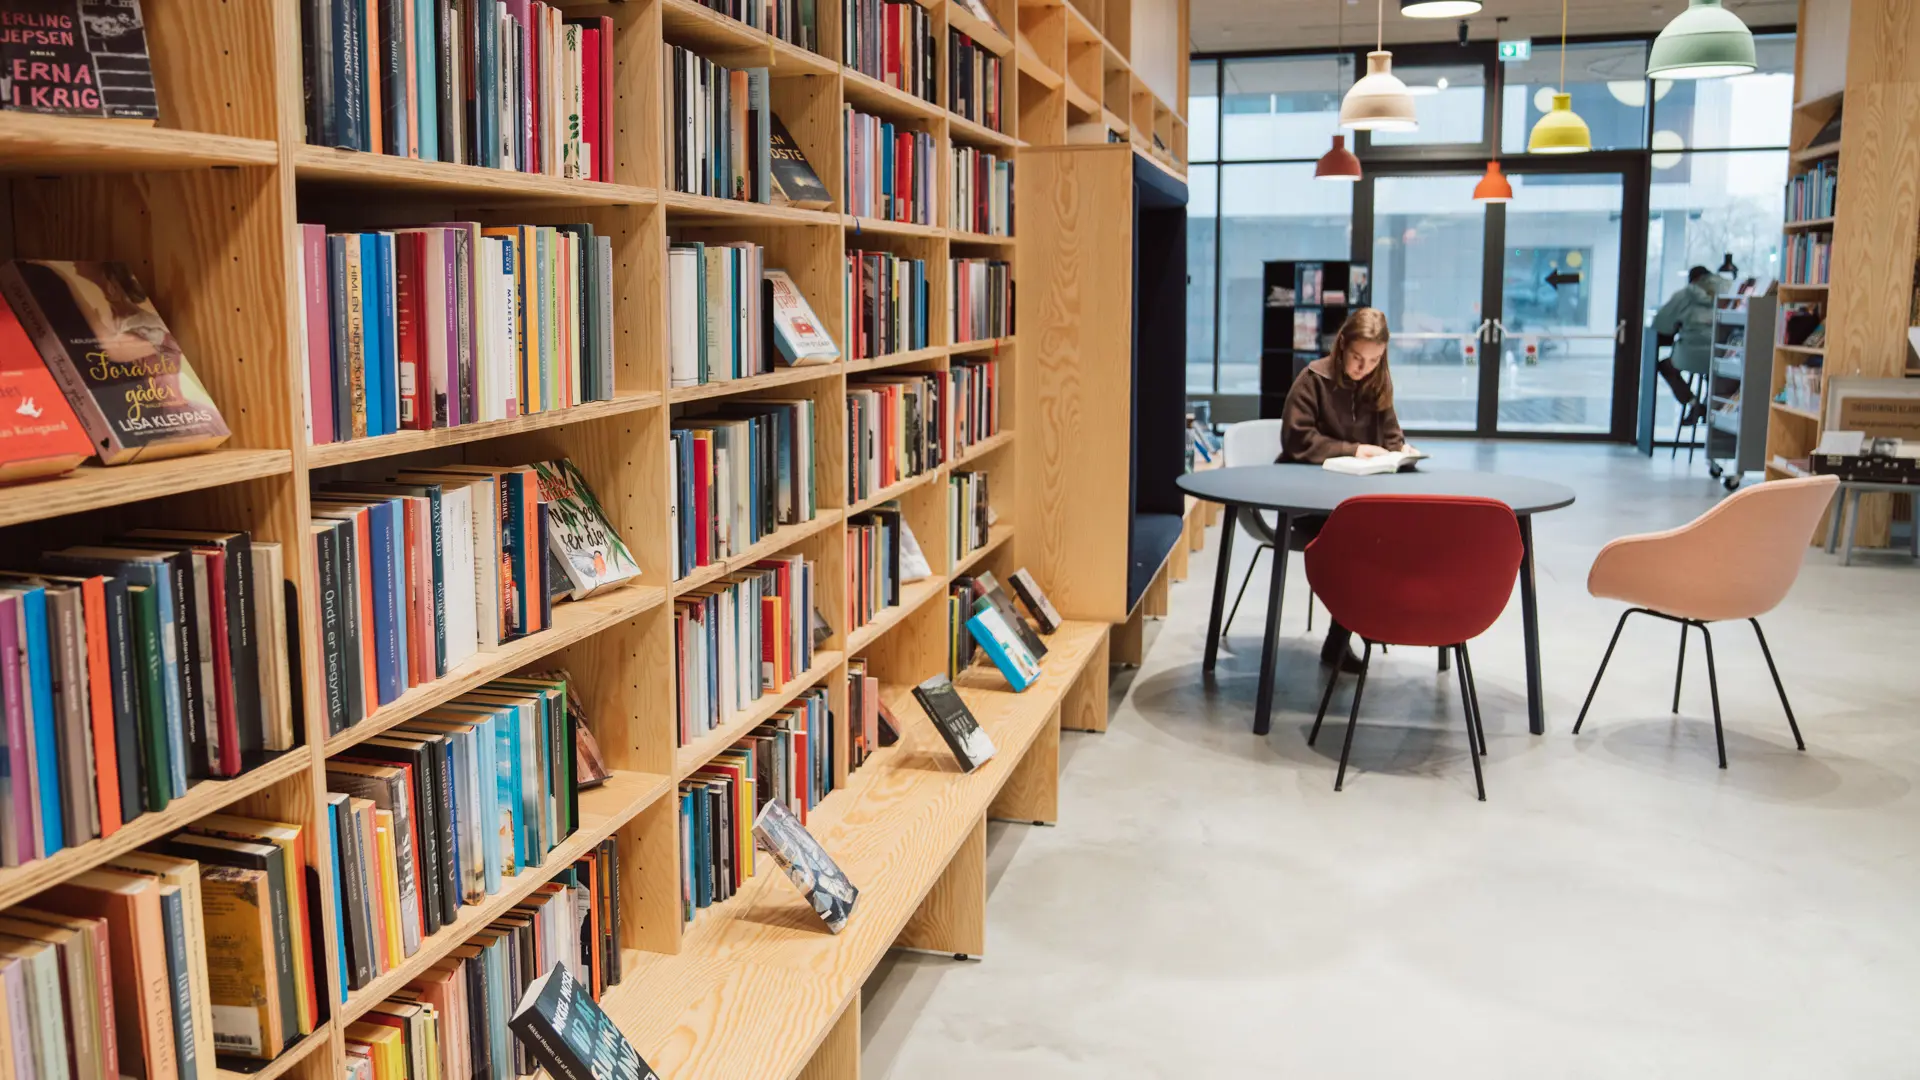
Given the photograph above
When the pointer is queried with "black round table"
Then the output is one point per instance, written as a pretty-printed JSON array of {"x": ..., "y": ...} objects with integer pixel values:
[{"x": 1307, "y": 490}]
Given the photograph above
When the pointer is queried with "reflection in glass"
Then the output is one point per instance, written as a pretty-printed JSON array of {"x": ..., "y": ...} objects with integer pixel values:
[
  {"x": 1560, "y": 299},
  {"x": 1608, "y": 83},
  {"x": 1282, "y": 107},
  {"x": 1450, "y": 100},
  {"x": 1203, "y": 111},
  {"x": 1201, "y": 230},
  {"x": 1744, "y": 111},
  {"x": 1427, "y": 256},
  {"x": 1269, "y": 212}
]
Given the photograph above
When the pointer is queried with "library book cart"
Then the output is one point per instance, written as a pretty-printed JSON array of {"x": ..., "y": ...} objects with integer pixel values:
[{"x": 206, "y": 208}]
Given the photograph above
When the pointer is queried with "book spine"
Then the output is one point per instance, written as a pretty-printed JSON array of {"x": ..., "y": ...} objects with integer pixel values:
[{"x": 173, "y": 918}]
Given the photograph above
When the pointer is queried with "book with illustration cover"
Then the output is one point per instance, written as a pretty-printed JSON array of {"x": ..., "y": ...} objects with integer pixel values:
[
  {"x": 806, "y": 864},
  {"x": 581, "y": 540},
  {"x": 39, "y": 434},
  {"x": 569, "y": 1036},
  {"x": 1035, "y": 599},
  {"x": 955, "y": 722},
  {"x": 76, "y": 58},
  {"x": 797, "y": 332},
  {"x": 794, "y": 181},
  {"x": 119, "y": 366}
]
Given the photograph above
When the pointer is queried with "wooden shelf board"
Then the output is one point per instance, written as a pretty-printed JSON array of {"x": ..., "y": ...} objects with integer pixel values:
[
  {"x": 771, "y": 544},
  {"x": 353, "y": 168},
  {"x": 408, "y": 442},
  {"x": 896, "y": 359},
  {"x": 858, "y": 225},
  {"x": 1113, "y": 122},
  {"x": 697, "y": 753},
  {"x": 1080, "y": 101},
  {"x": 683, "y": 206},
  {"x": 984, "y": 34},
  {"x": 91, "y": 487},
  {"x": 1810, "y": 223},
  {"x": 983, "y": 345},
  {"x": 1788, "y": 410},
  {"x": 19, "y": 883},
  {"x": 321, "y": 1037},
  {"x": 1803, "y": 350},
  {"x": 33, "y": 144},
  {"x": 868, "y": 94},
  {"x": 603, "y": 810},
  {"x": 964, "y": 130},
  {"x": 912, "y": 595},
  {"x": 1788, "y": 286},
  {"x": 1816, "y": 152},
  {"x": 962, "y": 236},
  {"x": 785, "y": 376},
  {"x": 997, "y": 535},
  {"x": 730, "y": 42},
  {"x": 572, "y": 622},
  {"x": 893, "y": 827},
  {"x": 1030, "y": 65},
  {"x": 893, "y": 491},
  {"x": 980, "y": 449}
]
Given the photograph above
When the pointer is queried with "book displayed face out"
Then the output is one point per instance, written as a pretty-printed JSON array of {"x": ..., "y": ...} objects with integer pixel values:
[
  {"x": 964, "y": 736},
  {"x": 807, "y": 865},
  {"x": 568, "y": 1034},
  {"x": 996, "y": 595},
  {"x": 1035, "y": 600}
]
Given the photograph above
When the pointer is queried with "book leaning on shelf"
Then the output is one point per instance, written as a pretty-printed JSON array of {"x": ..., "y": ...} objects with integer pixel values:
[
  {"x": 452, "y": 323},
  {"x": 64, "y": 58},
  {"x": 507, "y": 86},
  {"x": 807, "y": 864},
  {"x": 570, "y": 1037},
  {"x": 39, "y": 433},
  {"x": 964, "y": 736},
  {"x": 1003, "y": 645},
  {"x": 798, "y": 336}
]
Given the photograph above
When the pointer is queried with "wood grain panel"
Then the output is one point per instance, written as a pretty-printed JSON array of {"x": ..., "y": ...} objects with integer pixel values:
[
  {"x": 838, "y": 1057},
  {"x": 1085, "y": 706},
  {"x": 953, "y": 917},
  {"x": 1032, "y": 793}
]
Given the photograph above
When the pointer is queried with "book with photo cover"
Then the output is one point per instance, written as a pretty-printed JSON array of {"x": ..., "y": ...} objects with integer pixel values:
[
  {"x": 797, "y": 334},
  {"x": 579, "y": 537},
  {"x": 992, "y": 592},
  {"x": 569, "y": 1036},
  {"x": 806, "y": 864},
  {"x": 1003, "y": 646},
  {"x": 76, "y": 58},
  {"x": 955, "y": 722},
  {"x": 794, "y": 181},
  {"x": 121, "y": 369},
  {"x": 1035, "y": 599}
]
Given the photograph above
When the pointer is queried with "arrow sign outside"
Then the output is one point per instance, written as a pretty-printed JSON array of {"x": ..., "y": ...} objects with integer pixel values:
[{"x": 1563, "y": 277}]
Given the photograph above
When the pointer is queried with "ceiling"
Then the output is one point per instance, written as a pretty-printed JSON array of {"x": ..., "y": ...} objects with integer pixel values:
[{"x": 1248, "y": 25}]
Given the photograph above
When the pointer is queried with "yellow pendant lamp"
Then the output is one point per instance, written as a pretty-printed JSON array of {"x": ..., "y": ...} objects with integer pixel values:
[
  {"x": 1561, "y": 131},
  {"x": 1379, "y": 101}
]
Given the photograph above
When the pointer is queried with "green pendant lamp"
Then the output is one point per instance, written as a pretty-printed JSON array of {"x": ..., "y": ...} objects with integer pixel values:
[
  {"x": 1561, "y": 131},
  {"x": 1379, "y": 101},
  {"x": 1706, "y": 41}
]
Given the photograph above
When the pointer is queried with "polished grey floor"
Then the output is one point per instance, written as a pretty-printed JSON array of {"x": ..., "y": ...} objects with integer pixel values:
[{"x": 1210, "y": 907}]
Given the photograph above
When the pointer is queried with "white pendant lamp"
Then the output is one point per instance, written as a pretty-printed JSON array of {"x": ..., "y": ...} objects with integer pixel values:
[
  {"x": 1379, "y": 101},
  {"x": 1439, "y": 9},
  {"x": 1706, "y": 41},
  {"x": 1561, "y": 131}
]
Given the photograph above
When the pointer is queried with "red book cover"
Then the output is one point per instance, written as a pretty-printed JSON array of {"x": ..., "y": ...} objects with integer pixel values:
[
  {"x": 407, "y": 298},
  {"x": 225, "y": 709},
  {"x": 604, "y": 147},
  {"x": 106, "y": 756},
  {"x": 319, "y": 334},
  {"x": 39, "y": 434},
  {"x": 419, "y": 595},
  {"x": 590, "y": 91},
  {"x": 892, "y": 58},
  {"x": 702, "y": 500}
]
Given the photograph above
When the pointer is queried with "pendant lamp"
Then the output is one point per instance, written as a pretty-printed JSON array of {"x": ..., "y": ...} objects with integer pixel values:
[
  {"x": 1379, "y": 101},
  {"x": 1561, "y": 131},
  {"x": 1493, "y": 187},
  {"x": 1439, "y": 9},
  {"x": 1706, "y": 41},
  {"x": 1338, "y": 163}
]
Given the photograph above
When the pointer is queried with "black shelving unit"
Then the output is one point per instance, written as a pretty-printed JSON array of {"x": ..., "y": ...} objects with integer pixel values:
[{"x": 1303, "y": 302}]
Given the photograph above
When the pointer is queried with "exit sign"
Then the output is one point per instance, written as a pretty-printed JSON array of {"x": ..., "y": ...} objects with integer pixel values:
[{"x": 1517, "y": 50}]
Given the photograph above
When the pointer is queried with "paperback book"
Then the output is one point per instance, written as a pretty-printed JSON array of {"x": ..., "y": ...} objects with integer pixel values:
[
  {"x": 39, "y": 434},
  {"x": 948, "y": 710},
  {"x": 76, "y": 58},
  {"x": 1035, "y": 599},
  {"x": 569, "y": 1036},
  {"x": 580, "y": 537},
  {"x": 806, "y": 864},
  {"x": 1003, "y": 646}
]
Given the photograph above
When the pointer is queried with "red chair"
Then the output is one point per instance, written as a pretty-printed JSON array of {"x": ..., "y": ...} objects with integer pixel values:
[{"x": 1415, "y": 570}]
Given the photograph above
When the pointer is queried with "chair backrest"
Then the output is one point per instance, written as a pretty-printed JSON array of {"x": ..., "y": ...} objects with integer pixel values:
[
  {"x": 1416, "y": 569},
  {"x": 1736, "y": 561},
  {"x": 1253, "y": 442}
]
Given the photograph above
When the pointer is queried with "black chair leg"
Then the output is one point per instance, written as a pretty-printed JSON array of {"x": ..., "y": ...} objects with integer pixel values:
[
  {"x": 1778, "y": 687},
  {"x": 1713, "y": 686},
  {"x": 1251, "y": 564},
  {"x": 1309, "y": 611},
  {"x": 1470, "y": 706},
  {"x": 1444, "y": 654},
  {"x": 1353, "y": 717},
  {"x": 1680, "y": 667},
  {"x": 1473, "y": 696},
  {"x": 1591, "y": 690},
  {"x": 1333, "y": 677}
]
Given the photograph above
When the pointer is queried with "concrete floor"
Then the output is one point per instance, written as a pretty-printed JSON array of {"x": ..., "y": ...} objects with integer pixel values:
[{"x": 1210, "y": 907}]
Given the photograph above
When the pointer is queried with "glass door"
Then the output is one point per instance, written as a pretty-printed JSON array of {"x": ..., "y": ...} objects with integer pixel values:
[{"x": 1429, "y": 241}]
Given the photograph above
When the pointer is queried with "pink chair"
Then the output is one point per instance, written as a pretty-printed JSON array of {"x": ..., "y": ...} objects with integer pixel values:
[{"x": 1736, "y": 561}]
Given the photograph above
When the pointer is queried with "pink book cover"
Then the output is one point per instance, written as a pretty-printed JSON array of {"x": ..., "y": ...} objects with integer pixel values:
[
  {"x": 590, "y": 101},
  {"x": 20, "y": 848},
  {"x": 319, "y": 323}
]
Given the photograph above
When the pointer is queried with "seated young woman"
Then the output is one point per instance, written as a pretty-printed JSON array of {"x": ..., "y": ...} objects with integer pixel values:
[{"x": 1342, "y": 406}]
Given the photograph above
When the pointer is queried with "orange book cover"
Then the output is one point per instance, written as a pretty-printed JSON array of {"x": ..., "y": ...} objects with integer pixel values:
[
  {"x": 136, "y": 943},
  {"x": 39, "y": 434},
  {"x": 289, "y": 838},
  {"x": 106, "y": 756}
]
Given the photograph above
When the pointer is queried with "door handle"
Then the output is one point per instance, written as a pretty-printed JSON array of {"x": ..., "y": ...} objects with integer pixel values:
[
  {"x": 1499, "y": 330},
  {"x": 1485, "y": 328},
  {"x": 1620, "y": 333}
]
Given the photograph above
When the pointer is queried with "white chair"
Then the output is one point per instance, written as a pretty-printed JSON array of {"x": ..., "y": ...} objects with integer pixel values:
[{"x": 1255, "y": 442}]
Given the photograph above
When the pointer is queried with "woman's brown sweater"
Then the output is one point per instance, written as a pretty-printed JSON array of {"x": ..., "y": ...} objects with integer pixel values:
[{"x": 1325, "y": 419}]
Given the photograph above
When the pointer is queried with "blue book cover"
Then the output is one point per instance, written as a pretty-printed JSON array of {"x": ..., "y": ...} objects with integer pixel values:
[
  {"x": 426, "y": 95},
  {"x": 46, "y": 763},
  {"x": 487, "y": 750},
  {"x": 173, "y": 921},
  {"x": 389, "y": 337},
  {"x": 686, "y": 855},
  {"x": 339, "y": 901},
  {"x": 506, "y": 728},
  {"x": 370, "y": 312},
  {"x": 1011, "y": 657},
  {"x": 703, "y": 828}
]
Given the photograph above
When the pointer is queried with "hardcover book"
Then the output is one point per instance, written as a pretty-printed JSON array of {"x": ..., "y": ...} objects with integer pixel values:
[
  {"x": 1035, "y": 600},
  {"x": 794, "y": 181},
  {"x": 39, "y": 435},
  {"x": 121, "y": 369},
  {"x": 806, "y": 863},
  {"x": 1003, "y": 646},
  {"x": 955, "y": 722},
  {"x": 559, "y": 1023},
  {"x": 580, "y": 538},
  {"x": 76, "y": 58},
  {"x": 797, "y": 333}
]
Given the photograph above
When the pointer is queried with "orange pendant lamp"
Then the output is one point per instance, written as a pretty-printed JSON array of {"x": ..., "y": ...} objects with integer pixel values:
[
  {"x": 1339, "y": 162},
  {"x": 1494, "y": 187}
]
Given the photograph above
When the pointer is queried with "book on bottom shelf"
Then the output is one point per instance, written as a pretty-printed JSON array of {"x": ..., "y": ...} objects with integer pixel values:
[
  {"x": 570, "y": 1037},
  {"x": 1003, "y": 645},
  {"x": 943, "y": 704},
  {"x": 807, "y": 865},
  {"x": 1035, "y": 599}
]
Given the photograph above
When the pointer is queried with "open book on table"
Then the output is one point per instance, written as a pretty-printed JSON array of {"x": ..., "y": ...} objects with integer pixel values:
[{"x": 1392, "y": 461}]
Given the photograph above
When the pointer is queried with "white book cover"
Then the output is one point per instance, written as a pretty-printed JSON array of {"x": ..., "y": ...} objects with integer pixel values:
[
  {"x": 683, "y": 313},
  {"x": 603, "y": 260},
  {"x": 270, "y": 615},
  {"x": 585, "y": 542},
  {"x": 456, "y": 514},
  {"x": 1392, "y": 461},
  {"x": 798, "y": 332}
]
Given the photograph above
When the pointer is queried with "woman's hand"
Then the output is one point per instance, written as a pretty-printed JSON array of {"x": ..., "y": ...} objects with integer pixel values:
[{"x": 1367, "y": 450}]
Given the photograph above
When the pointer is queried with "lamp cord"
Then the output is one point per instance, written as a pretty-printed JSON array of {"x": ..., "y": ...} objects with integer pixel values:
[
  {"x": 1380, "y": 25},
  {"x": 1563, "y": 46}
]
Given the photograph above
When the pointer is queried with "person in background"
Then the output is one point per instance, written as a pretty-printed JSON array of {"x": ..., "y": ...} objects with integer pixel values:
[
  {"x": 1688, "y": 317},
  {"x": 1342, "y": 406}
]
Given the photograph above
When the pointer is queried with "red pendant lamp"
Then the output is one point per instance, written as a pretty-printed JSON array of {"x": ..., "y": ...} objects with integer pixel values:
[
  {"x": 1339, "y": 162},
  {"x": 1494, "y": 186}
]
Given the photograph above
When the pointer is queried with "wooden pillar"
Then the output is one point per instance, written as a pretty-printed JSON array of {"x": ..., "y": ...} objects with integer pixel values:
[
  {"x": 953, "y": 917},
  {"x": 838, "y": 1056},
  {"x": 1032, "y": 792},
  {"x": 1084, "y": 708}
]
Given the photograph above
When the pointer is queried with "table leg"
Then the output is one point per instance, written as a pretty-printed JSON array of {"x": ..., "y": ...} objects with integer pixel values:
[
  {"x": 1853, "y": 519},
  {"x": 1229, "y": 524},
  {"x": 1530, "y": 619},
  {"x": 1834, "y": 514},
  {"x": 1276, "y": 590}
]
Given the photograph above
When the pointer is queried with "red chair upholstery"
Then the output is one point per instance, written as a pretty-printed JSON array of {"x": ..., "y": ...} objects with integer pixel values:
[{"x": 1415, "y": 570}]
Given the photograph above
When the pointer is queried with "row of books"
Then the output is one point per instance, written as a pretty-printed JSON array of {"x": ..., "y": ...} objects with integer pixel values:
[
  {"x": 870, "y": 723},
  {"x": 897, "y": 427},
  {"x": 424, "y": 569},
  {"x": 739, "y": 638},
  {"x": 719, "y": 128},
  {"x": 975, "y": 401},
  {"x": 1809, "y": 258},
  {"x": 508, "y": 85},
  {"x": 892, "y": 41},
  {"x": 454, "y": 1021},
  {"x": 56, "y": 318},
  {"x": 451, "y": 324},
  {"x": 982, "y": 192},
  {"x": 873, "y": 542},
  {"x": 973, "y": 81},
  {"x": 716, "y": 313},
  {"x": 969, "y": 516},
  {"x": 434, "y": 814},
  {"x": 962, "y": 592},
  {"x": 980, "y": 615},
  {"x": 739, "y": 475},
  {"x": 889, "y": 169},
  {"x": 788, "y": 761},
  {"x": 131, "y": 670},
  {"x": 887, "y": 298},
  {"x": 982, "y": 298},
  {"x": 1810, "y": 194},
  {"x": 161, "y": 962},
  {"x": 789, "y": 20}
]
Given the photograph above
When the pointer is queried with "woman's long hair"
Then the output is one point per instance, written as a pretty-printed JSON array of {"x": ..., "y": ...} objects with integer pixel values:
[{"x": 1369, "y": 325}]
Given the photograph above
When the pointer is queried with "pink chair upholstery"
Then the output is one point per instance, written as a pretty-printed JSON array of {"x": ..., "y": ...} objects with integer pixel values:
[{"x": 1736, "y": 561}]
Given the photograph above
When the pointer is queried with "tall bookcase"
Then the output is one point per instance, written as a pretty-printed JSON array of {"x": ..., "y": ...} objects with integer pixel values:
[{"x": 206, "y": 208}]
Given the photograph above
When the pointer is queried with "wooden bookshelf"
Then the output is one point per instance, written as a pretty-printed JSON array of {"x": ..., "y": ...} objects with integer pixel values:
[{"x": 207, "y": 206}]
